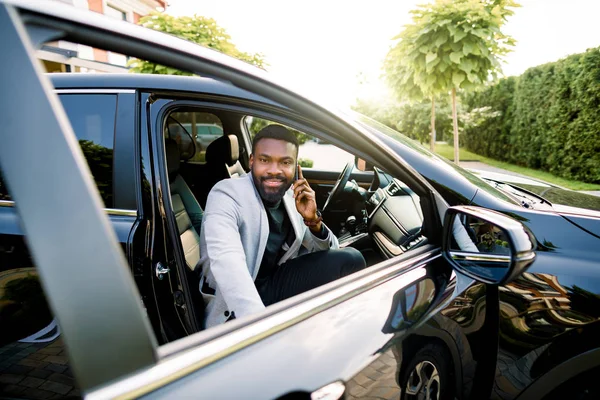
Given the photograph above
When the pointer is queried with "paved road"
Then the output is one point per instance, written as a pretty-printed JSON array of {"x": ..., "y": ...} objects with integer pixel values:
[{"x": 36, "y": 371}]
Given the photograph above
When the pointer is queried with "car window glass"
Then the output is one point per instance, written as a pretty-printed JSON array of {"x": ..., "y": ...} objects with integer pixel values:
[
  {"x": 312, "y": 153},
  {"x": 202, "y": 127},
  {"x": 92, "y": 117},
  {"x": 382, "y": 130}
]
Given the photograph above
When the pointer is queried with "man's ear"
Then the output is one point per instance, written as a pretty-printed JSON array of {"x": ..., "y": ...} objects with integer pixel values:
[{"x": 251, "y": 160}]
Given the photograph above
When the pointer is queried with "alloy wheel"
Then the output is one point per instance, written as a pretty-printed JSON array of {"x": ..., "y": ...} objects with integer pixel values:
[{"x": 423, "y": 382}]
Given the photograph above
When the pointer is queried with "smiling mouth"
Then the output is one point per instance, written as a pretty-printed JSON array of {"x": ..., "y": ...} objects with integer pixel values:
[{"x": 272, "y": 183}]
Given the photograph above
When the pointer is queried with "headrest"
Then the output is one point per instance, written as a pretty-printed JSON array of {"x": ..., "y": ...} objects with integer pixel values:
[
  {"x": 223, "y": 150},
  {"x": 172, "y": 150}
]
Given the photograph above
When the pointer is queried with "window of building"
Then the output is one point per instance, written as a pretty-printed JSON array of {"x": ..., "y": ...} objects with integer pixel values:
[
  {"x": 113, "y": 12},
  {"x": 116, "y": 58}
]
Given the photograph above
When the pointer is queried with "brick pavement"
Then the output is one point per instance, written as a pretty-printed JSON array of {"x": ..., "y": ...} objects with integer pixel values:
[
  {"x": 513, "y": 373},
  {"x": 376, "y": 381},
  {"x": 36, "y": 371}
]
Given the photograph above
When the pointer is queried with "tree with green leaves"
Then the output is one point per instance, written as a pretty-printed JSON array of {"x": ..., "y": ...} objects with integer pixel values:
[
  {"x": 197, "y": 29},
  {"x": 450, "y": 45}
]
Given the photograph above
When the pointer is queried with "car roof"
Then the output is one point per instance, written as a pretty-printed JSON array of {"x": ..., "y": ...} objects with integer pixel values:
[{"x": 132, "y": 81}]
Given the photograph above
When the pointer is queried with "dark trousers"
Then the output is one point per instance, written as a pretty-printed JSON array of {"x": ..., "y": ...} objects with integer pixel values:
[{"x": 308, "y": 272}]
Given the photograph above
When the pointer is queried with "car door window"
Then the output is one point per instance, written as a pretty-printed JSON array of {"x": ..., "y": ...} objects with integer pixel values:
[{"x": 92, "y": 117}]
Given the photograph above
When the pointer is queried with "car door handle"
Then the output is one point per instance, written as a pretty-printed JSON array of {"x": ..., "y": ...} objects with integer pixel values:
[
  {"x": 333, "y": 391},
  {"x": 161, "y": 270}
]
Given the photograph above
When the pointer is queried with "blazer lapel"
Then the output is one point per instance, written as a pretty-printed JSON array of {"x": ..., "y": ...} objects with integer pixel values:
[{"x": 263, "y": 228}]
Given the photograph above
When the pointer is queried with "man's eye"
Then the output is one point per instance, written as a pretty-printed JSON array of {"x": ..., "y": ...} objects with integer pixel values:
[
  {"x": 286, "y": 163},
  {"x": 263, "y": 160}
]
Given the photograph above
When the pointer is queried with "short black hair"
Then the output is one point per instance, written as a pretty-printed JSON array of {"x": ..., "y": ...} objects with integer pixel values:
[{"x": 278, "y": 132}]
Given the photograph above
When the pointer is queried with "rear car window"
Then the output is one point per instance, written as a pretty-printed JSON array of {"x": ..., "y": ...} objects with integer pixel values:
[
  {"x": 92, "y": 117},
  {"x": 201, "y": 127}
]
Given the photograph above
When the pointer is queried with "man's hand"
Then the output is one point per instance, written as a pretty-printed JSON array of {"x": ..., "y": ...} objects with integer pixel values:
[{"x": 306, "y": 203}]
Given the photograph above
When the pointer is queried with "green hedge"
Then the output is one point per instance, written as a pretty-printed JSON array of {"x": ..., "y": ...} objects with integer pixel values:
[{"x": 549, "y": 118}]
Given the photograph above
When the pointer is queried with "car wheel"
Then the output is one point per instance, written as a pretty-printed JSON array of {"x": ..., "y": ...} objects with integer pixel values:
[{"x": 429, "y": 375}]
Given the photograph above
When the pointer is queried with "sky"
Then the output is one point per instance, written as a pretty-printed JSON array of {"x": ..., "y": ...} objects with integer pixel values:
[{"x": 334, "y": 49}]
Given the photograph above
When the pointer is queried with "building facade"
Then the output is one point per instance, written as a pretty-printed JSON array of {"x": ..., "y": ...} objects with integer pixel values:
[{"x": 62, "y": 56}]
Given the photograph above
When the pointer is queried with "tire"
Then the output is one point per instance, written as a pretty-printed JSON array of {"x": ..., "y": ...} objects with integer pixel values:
[{"x": 429, "y": 375}]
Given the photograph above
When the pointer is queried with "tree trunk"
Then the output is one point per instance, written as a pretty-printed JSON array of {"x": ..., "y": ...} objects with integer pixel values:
[
  {"x": 455, "y": 125},
  {"x": 432, "y": 123},
  {"x": 194, "y": 131}
]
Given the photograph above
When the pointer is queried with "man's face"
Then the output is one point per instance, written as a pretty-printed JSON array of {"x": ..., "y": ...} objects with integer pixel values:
[{"x": 272, "y": 165}]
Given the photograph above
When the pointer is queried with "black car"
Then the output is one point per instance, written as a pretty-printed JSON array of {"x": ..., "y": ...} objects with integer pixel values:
[{"x": 475, "y": 288}]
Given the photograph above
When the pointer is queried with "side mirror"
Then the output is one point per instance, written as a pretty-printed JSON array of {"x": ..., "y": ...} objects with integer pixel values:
[
  {"x": 362, "y": 165},
  {"x": 486, "y": 245}
]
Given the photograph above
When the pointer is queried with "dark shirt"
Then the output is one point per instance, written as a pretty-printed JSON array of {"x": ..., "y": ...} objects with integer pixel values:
[{"x": 279, "y": 232}]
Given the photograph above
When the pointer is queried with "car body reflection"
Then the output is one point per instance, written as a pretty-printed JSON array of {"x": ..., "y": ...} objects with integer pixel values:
[
  {"x": 543, "y": 322},
  {"x": 380, "y": 379}
]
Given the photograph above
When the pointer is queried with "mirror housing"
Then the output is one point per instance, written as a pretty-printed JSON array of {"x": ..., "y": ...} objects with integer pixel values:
[{"x": 486, "y": 245}]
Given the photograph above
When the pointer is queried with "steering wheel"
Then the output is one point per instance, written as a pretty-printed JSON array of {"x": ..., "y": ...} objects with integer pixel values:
[{"x": 338, "y": 189}]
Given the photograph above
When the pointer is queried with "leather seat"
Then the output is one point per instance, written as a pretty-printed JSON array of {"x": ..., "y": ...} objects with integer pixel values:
[
  {"x": 223, "y": 157},
  {"x": 187, "y": 210},
  {"x": 222, "y": 162},
  {"x": 188, "y": 216}
]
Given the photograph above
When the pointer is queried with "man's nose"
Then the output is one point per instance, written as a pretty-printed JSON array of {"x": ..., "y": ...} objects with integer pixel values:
[{"x": 274, "y": 169}]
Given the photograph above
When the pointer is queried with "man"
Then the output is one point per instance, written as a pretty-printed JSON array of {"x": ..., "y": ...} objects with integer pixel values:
[{"x": 262, "y": 238}]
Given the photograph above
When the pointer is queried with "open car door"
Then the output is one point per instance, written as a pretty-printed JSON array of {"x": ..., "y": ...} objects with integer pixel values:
[{"x": 343, "y": 337}]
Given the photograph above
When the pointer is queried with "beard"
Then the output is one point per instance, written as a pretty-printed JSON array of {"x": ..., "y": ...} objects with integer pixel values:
[{"x": 271, "y": 196}]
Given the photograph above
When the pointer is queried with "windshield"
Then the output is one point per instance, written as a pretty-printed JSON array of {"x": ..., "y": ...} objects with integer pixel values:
[{"x": 380, "y": 129}]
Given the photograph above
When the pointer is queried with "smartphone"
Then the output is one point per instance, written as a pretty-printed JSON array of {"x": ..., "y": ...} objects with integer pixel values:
[{"x": 296, "y": 174}]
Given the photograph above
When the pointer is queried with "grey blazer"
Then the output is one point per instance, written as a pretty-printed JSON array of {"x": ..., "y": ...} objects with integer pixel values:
[{"x": 233, "y": 238}]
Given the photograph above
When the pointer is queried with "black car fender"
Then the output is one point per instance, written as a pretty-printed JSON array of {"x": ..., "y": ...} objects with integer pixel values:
[
  {"x": 570, "y": 355},
  {"x": 560, "y": 374}
]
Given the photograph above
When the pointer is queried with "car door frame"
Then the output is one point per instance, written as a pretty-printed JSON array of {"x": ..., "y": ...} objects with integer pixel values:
[
  {"x": 94, "y": 30},
  {"x": 176, "y": 307}
]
